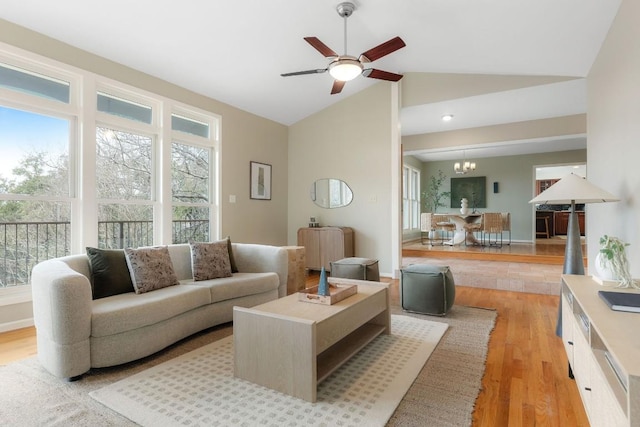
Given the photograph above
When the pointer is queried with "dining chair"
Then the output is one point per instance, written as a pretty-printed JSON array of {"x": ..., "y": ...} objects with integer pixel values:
[
  {"x": 506, "y": 224},
  {"x": 492, "y": 224}
]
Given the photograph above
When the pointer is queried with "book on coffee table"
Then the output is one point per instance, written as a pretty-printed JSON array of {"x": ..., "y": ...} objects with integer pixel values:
[{"x": 621, "y": 301}]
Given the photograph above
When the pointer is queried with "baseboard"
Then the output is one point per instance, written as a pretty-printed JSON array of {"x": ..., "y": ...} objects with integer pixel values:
[{"x": 17, "y": 324}]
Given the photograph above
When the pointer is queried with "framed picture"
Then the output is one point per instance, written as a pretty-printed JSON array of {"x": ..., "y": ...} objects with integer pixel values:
[
  {"x": 473, "y": 189},
  {"x": 260, "y": 181}
]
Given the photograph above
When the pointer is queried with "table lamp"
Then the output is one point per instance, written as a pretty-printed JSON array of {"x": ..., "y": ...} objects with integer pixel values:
[{"x": 572, "y": 189}]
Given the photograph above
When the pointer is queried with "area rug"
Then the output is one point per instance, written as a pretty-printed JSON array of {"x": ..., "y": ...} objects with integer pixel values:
[
  {"x": 442, "y": 395},
  {"x": 199, "y": 389}
]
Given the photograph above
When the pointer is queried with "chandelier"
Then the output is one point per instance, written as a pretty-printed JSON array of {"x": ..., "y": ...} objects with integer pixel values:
[{"x": 464, "y": 167}]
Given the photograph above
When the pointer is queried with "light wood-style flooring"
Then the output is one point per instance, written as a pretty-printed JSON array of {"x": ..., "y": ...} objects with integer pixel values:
[{"x": 525, "y": 382}]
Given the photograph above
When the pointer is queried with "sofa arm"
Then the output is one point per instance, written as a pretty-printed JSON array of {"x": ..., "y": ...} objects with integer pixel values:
[
  {"x": 254, "y": 258},
  {"x": 62, "y": 306}
]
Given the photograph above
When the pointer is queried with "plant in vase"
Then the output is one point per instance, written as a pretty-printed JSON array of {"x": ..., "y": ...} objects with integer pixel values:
[
  {"x": 434, "y": 197},
  {"x": 611, "y": 262}
]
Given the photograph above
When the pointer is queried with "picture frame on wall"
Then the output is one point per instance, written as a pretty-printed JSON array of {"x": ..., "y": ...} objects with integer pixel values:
[
  {"x": 260, "y": 181},
  {"x": 472, "y": 188}
]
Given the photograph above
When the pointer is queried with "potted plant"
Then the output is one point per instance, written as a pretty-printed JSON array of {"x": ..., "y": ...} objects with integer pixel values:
[
  {"x": 433, "y": 197},
  {"x": 611, "y": 262}
]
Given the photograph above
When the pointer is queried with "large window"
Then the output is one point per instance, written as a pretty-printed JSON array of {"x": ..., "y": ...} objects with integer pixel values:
[
  {"x": 191, "y": 166},
  {"x": 410, "y": 198},
  {"x": 35, "y": 190},
  {"x": 128, "y": 168},
  {"x": 124, "y": 171}
]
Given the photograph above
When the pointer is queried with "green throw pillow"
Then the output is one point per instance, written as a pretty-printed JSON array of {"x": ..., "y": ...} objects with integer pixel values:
[
  {"x": 234, "y": 267},
  {"x": 109, "y": 272}
]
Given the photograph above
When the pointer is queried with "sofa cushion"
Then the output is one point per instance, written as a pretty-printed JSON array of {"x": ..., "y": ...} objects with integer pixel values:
[
  {"x": 240, "y": 285},
  {"x": 125, "y": 312},
  {"x": 150, "y": 268},
  {"x": 109, "y": 272},
  {"x": 210, "y": 260}
]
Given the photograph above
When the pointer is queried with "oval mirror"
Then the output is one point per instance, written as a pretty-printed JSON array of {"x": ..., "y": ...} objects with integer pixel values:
[{"x": 331, "y": 193}]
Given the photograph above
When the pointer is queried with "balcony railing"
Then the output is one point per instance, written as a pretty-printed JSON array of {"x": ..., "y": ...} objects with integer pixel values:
[{"x": 24, "y": 244}]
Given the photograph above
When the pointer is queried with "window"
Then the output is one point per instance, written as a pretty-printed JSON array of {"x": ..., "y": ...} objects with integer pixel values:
[
  {"x": 124, "y": 171},
  {"x": 410, "y": 198},
  {"x": 35, "y": 190},
  {"x": 132, "y": 177},
  {"x": 33, "y": 83},
  {"x": 191, "y": 167}
]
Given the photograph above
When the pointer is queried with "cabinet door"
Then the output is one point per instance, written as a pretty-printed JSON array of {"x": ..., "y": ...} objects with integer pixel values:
[
  {"x": 582, "y": 366},
  {"x": 332, "y": 244},
  {"x": 605, "y": 409},
  {"x": 567, "y": 328},
  {"x": 310, "y": 239}
]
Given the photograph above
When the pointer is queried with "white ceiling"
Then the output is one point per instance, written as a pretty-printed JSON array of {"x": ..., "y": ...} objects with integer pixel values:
[{"x": 235, "y": 51}]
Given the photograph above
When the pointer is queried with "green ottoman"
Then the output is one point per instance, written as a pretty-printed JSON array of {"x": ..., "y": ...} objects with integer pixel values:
[
  {"x": 427, "y": 289},
  {"x": 356, "y": 268}
]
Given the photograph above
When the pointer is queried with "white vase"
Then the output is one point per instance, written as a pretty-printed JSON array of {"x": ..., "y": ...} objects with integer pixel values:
[
  {"x": 602, "y": 268},
  {"x": 464, "y": 207}
]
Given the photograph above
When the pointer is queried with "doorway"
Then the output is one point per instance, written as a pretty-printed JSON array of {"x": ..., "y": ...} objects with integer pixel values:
[{"x": 550, "y": 221}]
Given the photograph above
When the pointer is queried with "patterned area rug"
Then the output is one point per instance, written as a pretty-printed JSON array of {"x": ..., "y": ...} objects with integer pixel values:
[
  {"x": 442, "y": 395},
  {"x": 199, "y": 389}
]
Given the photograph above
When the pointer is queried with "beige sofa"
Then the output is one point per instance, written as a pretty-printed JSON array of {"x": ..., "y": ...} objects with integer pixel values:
[{"x": 76, "y": 333}]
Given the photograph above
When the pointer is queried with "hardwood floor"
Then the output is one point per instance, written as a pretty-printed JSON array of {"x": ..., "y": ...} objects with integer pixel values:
[{"x": 525, "y": 381}]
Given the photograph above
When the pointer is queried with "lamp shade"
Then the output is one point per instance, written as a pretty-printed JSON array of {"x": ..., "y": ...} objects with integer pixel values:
[{"x": 573, "y": 188}]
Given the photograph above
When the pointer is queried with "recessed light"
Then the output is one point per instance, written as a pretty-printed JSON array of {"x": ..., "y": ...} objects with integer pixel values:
[{"x": 447, "y": 117}]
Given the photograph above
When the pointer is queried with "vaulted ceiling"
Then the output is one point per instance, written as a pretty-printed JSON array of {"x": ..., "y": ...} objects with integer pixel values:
[{"x": 235, "y": 51}]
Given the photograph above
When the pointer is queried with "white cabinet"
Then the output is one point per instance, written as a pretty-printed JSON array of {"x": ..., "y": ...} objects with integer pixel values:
[
  {"x": 603, "y": 348},
  {"x": 324, "y": 245}
]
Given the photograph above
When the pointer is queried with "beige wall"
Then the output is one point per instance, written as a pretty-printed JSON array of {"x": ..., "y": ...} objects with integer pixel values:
[
  {"x": 613, "y": 124},
  {"x": 245, "y": 137},
  {"x": 351, "y": 140}
]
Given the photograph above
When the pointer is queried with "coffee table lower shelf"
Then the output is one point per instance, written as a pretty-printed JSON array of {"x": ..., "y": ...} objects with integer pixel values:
[{"x": 339, "y": 353}]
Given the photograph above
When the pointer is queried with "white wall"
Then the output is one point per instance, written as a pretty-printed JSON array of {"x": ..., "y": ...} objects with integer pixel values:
[
  {"x": 351, "y": 140},
  {"x": 613, "y": 126}
]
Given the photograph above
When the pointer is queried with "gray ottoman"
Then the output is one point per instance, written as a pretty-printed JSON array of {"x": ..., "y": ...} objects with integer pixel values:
[
  {"x": 427, "y": 289},
  {"x": 356, "y": 268}
]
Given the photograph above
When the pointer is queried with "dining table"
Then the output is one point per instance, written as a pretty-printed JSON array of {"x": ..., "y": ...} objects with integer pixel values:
[{"x": 462, "y": 234}]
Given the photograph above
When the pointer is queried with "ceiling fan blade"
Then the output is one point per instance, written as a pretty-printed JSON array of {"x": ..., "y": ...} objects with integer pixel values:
[
  {"x": 382, "y": 75},
  {"x": 300, "y": 73},
  {"x": 382, "y": 50},
  {"x": 321, "y": 47},
  {"x": 337, "y": 86}
]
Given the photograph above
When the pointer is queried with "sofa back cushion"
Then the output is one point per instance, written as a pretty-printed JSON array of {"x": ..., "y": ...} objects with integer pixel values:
[{"x": 109, "y": 272}]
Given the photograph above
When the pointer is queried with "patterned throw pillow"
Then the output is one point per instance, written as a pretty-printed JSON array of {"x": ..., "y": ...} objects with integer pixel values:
[
  {"x": 210, "y": 260},
  {"x": 150, "y": 268}
]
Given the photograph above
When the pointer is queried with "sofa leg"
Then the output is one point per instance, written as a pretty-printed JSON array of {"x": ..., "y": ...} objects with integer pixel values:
[{"x": 73, "y": 379}]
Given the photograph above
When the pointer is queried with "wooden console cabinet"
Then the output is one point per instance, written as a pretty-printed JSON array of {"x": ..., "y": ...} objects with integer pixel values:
[
  {"x": 324, "y": 245},
  {"x": 603, "y": 348}
]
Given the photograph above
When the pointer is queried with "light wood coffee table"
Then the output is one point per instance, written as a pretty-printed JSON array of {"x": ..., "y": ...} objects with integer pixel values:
[{"x": 291, "y": 346}]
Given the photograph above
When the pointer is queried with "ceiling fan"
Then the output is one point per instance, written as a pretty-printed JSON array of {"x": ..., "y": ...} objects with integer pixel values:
[{"x": 345, "y": 67}]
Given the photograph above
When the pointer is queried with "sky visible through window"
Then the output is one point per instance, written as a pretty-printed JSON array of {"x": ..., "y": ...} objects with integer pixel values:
[{"x": 23, "y": 133}]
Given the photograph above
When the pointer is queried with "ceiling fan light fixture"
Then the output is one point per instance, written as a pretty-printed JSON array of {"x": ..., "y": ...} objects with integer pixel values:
[{"x": 345, "y": 69}]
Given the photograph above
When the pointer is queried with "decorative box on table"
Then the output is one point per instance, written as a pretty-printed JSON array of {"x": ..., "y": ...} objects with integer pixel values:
[{"x": 337, "y": 292}]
